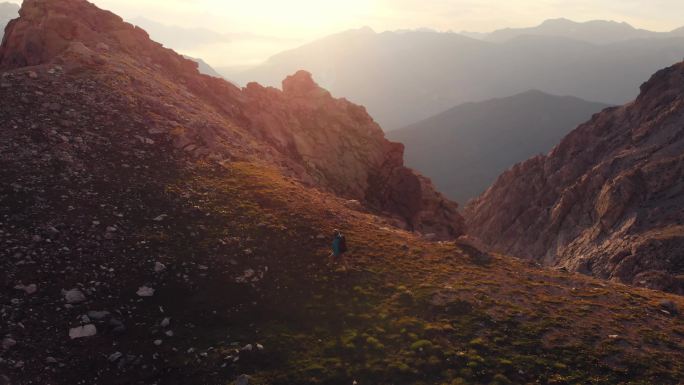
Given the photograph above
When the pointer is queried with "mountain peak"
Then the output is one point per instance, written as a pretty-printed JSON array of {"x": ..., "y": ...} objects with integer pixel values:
[
  {"x": 63, "y": 30},
  {"x": 300, "y": 83}
]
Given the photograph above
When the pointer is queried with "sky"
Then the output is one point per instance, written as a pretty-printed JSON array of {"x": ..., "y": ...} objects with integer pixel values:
[{"x": 252, "y": 30}]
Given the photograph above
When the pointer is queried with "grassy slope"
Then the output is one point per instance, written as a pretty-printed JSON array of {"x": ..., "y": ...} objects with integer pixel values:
[
  {"x": 411, "y": 312},
  {"x": 407, "y": 312}
]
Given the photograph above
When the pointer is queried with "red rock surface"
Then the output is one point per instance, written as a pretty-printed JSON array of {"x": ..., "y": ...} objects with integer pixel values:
[
  {"x": 607, "y": 201},
  {"x": 326, "y": 142}
]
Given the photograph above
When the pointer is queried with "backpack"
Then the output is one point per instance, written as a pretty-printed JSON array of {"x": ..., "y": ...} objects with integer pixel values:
[{"x": 343, "y": 244}]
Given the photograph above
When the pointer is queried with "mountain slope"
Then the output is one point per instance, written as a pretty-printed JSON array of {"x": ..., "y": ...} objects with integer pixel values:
[
  {"x": 594, "y": 31},
  {"x": 608, "y": 200},
  {"x": 145, "y": 203},
  {"x": 465, "y": 148},
  {"x": 8, "y": 11}
]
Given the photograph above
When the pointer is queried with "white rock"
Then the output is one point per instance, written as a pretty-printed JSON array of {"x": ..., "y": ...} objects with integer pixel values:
[
  {"x": 165, "y": 322},
  {"x": 159, "y": 267},
  {"x": 169, "y": 333},
  {"x": 82, "y": 331},
  {"x": 8, "y": 343},
  {"x": 260, "y": 347},
  {"x": 247, "y": 348},
  {"x": 157, "y": 342},
  {"x": 50, "y": 360},
  {"x": 74, "y": 296},
  {"x": 31, "y": 289},
  {"x": 145, "y": 291},
  {"x": 114, "y": 356},
  {"x": 160, "y": 218}
]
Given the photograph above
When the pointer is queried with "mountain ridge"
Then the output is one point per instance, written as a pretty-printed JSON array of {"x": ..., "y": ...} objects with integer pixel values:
[
  {"x": 593, "y": 31},
  {"x": 408, "y": 88}
]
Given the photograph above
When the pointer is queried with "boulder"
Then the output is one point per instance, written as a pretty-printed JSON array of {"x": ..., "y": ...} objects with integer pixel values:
[{"x": 88, "y": 330}]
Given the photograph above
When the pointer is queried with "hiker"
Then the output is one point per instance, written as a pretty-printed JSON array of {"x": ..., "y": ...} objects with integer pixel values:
[{"x": 339, "y": 247}]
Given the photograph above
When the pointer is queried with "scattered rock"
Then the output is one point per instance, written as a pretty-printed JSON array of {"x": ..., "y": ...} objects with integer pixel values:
[
  {"x": 243, "y": 379},
  {"x": 669, "y": 306},
  {"x": 30, "y": 289},
  {"x": 82, "y": 331},
  {"x": 7, "y": 343},
  {"x": 98, "y": 315},
  {"x": 117, "y": 326},
  {"x": 145, "y": 291},
  {"x": 157, "y": 342},
  {"x": 114, "y": 356},
  {"x": 74, "y": 296},
  {"x": 51, "y": 360},
  {"x": 160, "y": 218},
  {"x": 165, "y": 322},
  {"x": 159, "y": 267}
]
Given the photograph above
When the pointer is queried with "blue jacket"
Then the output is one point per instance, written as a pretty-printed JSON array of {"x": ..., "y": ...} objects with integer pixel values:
[{"x": 336, "y": 246}]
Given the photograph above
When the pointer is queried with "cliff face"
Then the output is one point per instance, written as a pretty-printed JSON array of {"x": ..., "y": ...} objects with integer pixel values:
[
  {"x": 607, "y": 201},
  {"x": 326, "y": 142}
]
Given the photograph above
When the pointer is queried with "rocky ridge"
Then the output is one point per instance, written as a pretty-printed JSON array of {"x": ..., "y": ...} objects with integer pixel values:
[
  {"x": 607, "y": 201},
  {"x": 329, "y": 143}
]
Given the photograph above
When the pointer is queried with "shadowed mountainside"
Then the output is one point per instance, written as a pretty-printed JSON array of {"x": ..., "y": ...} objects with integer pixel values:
[{"x": 465, "y": 148}]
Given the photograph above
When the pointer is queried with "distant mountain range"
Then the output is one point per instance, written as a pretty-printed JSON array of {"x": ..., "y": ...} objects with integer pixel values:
[
  {"x": 465, "y": 148},
  {"x": 595, "y": 31},
  {"x": 8, "y": 11},
  {"x": 406, "y": 76}
]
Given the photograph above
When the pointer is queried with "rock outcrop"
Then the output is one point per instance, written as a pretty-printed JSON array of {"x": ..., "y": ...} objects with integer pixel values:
[
  {"x": 607, "y": 201},
  {"x": 328, "y": 143},
  {"x": 342, "y": 148}
]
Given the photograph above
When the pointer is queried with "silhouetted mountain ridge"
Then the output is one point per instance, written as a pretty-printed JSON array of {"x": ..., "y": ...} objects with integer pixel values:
[
  {"x": 404, "y": 77},
  {"x": 594, "y": 31}
]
